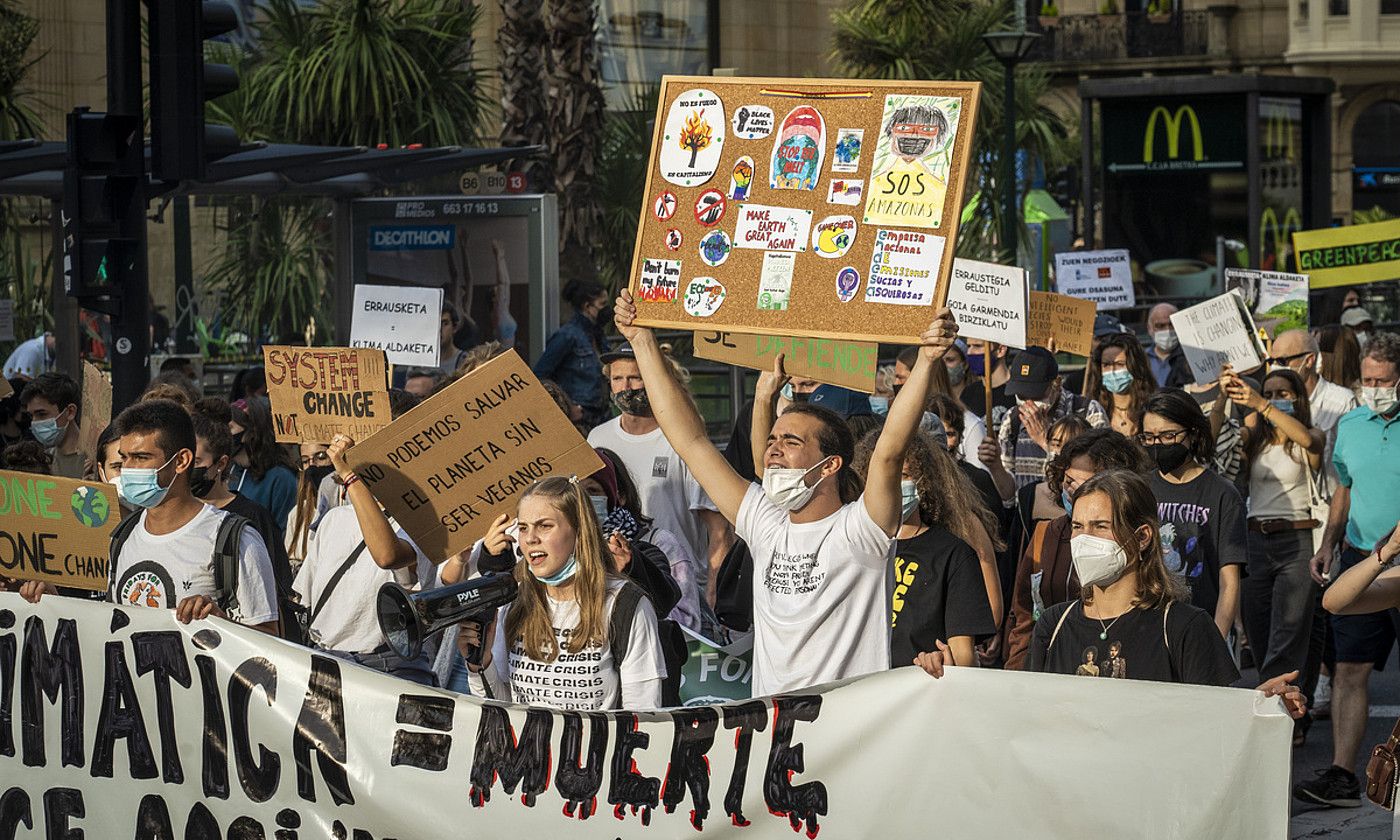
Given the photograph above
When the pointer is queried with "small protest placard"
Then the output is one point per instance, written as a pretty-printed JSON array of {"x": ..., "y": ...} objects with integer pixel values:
[
  {"x": 1278, "y": 301},
  {"x": 989, "y": 301},
  {"x": 1349, "y": 255},
  {"x": 849, "y": 364},
  {"x": 1068, "y": 320},
  {"x": 56, "y": 529},
  {"x": 400, "y": 320},
  {"x": 97, "y": 408},
  {"x": 318, "y": 392},
  {"x": 1217, "y": 331},
  {"x": 450, "y": 466},
  {"x": 1105, "y": 277}
]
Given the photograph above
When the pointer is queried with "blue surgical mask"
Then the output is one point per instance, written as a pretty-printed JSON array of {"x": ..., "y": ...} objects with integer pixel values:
[
  {"x": 1067, "y": 502},
  {"x": 141, "y": 487},
  {"x": 1285, "y": 406},
  {"x": 600, "y": 508},
  {"x": 560, "y": 576},
  {"x": 879, "y": 406},
  {"x": 47, "y": 432},
  {"x": 908, "y": 497},
  {"x": 1117, "y": 381}
]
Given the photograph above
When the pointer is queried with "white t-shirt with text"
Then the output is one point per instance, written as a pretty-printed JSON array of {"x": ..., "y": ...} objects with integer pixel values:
[
  {"x": 161, "y": 571},
  {"x": 820, "y": 594}
]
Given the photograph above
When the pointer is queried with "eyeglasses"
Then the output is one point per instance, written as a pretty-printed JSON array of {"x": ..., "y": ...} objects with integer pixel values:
[
  {"x": 320, "y": 459},
  {"x": 1167, "y": 437},
  {"x": 1284, "y": 360}
]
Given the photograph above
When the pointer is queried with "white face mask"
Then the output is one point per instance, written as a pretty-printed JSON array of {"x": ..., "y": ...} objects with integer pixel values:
[
  {"x": 1097, "y": 561},
  {"x": 787, "y": 488},
  {"x": 908, "y": 497},
  {"x": 1380, "y": 399},
  {"x": 1165, "y": 340}
]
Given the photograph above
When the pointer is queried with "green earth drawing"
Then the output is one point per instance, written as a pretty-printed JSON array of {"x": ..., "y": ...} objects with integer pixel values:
[{"x": 90, "y": 506}]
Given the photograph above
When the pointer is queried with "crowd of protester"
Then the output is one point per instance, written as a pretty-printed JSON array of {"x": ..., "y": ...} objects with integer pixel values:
[{"x": 1119, "y": 521}]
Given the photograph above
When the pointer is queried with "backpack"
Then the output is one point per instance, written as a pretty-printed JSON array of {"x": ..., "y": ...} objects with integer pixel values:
[
  {"x": 225, "y": 558},
  {"x": 673, "y": 646}
]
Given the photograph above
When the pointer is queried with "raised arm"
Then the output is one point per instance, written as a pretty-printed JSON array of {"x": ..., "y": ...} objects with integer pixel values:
[
  {"x": 1240, "y": 393},
  {"x": 765, "y": 411},
  {"x": 679, "y": 420},
  {"x": 882, "y": 499},
  {"x": 1373, "y": 585},
  {"x": 385, "y": 547}
]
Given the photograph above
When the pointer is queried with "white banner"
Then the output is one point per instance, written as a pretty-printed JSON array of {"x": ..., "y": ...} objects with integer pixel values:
[
  {"x": 113, "y": 718},
  {"x": 403, "y": 321}
]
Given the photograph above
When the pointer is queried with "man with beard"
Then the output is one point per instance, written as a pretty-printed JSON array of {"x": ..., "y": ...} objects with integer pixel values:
[{"x": 670, "y": 495}]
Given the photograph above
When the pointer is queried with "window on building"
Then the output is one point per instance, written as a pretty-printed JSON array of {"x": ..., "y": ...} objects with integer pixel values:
[
  {"x": 1339, "y": 8},
  {"x": 1390, "y": 7},
  {"x": 1302, "y": 10},
  {"x": 642, "y": 40}
]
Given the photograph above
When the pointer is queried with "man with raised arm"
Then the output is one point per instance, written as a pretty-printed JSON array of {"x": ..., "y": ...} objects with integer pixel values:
[{"x": 821, "y": 548}]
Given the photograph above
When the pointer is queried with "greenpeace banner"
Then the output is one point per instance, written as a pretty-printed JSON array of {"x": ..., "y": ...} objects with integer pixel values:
[{"x": 121, "y": 722}]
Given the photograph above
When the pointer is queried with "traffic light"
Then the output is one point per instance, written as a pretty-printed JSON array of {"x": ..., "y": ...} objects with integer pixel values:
[
  {"x": 181, "y": 82},
  {"x": 103, "y": 206}
]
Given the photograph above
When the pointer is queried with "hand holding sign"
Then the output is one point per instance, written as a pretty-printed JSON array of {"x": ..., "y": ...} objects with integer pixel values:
[{"x": 1217, "y": 332}]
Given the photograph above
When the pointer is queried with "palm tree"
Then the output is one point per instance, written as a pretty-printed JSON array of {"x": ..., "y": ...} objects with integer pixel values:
[
  {"x": 524, "y": 48},
  {"x": 942, "y": 39},
  {"x": 576, "y": 108},
  {"x": 338, "y": 72}
]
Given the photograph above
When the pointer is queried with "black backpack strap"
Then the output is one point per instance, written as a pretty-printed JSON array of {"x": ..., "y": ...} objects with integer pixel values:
[
  {"x": 331, "y": 584},
  {"x": 620, "y": 622},
  {"x": 227, "y": 543},
  {"x": 120, "y": 534}
]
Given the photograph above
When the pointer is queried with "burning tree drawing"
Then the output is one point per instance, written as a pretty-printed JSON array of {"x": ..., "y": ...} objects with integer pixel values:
[{"x": 695, "y": 135}]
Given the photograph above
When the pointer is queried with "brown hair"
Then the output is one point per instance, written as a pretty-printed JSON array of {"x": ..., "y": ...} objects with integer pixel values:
[
  {"x": 1108, "y": 449},
  {"x": 1143, "y": 384},
  {"x": 1301, "y": 412},
  {"x": 529, "y": 621},
  {"x": 1134, "y": 506},
  {"x": 1341, "y": 355}
]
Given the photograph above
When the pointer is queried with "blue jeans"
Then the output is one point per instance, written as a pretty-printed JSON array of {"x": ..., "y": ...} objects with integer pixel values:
[
  {"x": 457, "y": 677},
  {"x": 384, "y": 660}
]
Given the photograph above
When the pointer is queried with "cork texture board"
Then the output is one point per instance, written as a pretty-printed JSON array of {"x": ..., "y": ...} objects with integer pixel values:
[{"x": 817, "y": 207}]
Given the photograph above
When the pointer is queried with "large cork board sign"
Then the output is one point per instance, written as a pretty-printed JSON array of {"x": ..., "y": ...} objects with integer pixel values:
[{"x": 817, "y": 207}]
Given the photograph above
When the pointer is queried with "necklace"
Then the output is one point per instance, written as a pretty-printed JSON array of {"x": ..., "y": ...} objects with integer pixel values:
[{"x": 1103, "y": 633}]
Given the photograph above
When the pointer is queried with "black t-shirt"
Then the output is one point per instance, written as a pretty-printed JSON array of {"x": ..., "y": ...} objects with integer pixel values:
[
  {"x": 976, "y": 402},
  {"x": 261, "y": 520},
  {"x": 1180, "y": 645},
  {"x": 1203, "y": 530},
  {"x": 938, "y": 593}
]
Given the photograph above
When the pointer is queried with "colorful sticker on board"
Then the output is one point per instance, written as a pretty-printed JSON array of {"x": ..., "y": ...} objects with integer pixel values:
[
  {"x": 741, "y": 179},
  {"x": 775, "y": 280},
  {"x": 709, "y": 208},
  {"x": 753, "y": 122},
  {"x": 772, "y": 228},
  {"x": 845, "y": 191},
  {"x": 845, "y": 157},
  {"x": 912, "y": 160},
  {"x": 660, "y": 281},
  {"x": 674, "y": 239},
  {"x": 904, "y": 267},
  {"x": 797, "y": 151},
  {"x": 847, "y": 284},
  {"x": 833, "y": 236},
  {"x": 715, "y": 247},
  {"x": 664, "y": 207},
  {"x": 692, "y": 138},
  {"x": 703, "y": 297}
]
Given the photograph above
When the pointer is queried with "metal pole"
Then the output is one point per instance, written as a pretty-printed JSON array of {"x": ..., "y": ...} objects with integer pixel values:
[
  {"x": 182, "y": 324},
  {"x": 1009, "y": 221},
  {"x": 131, "y": 327}
]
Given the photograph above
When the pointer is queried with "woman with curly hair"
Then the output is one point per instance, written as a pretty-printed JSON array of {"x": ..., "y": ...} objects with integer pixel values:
[
  {"x": 1121, "y": 380},
  {"x": 941, "y": 584}
]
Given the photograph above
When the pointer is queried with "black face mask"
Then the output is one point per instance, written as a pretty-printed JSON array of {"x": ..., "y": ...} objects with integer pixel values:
[
  {"x": 1169, "y": 456},
  {"x": 237, "y": 443},
  {"x": 201, "y": 481},
  {"x": 895, "y": 388},
  {"x": 315, "y": 475},
  {"x": 633, "y": 401},
  {"x": 801, "y": 396}
]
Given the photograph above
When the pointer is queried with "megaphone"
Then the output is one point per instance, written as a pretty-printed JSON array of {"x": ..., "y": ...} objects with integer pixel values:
[{"x": 407, "y": 618}]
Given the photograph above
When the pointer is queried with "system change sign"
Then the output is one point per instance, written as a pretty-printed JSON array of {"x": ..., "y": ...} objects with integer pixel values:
[{"x": 319, "y": 392}]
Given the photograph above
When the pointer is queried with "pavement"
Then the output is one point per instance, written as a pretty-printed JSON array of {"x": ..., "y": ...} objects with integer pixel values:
[{"x": 1368, "y": 821}]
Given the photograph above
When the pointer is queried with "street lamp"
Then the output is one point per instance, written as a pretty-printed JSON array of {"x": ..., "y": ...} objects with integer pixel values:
[{"x": 1010, "y": 48}]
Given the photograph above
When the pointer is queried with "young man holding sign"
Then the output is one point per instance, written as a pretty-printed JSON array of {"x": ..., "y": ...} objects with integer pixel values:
[{"x": 821, "y": 548}]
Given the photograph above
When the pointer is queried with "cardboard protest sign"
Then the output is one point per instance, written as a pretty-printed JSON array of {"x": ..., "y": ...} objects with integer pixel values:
[
  {"x": 1068, "y": 320},
  {"x": 989, "y": 301},
  {"x": 6, "y": 388},
  {"x": 319, "y": 392},
  {"x": 1105, "y": 277},
  {"x": 1215, "y": 332},
  {"x": 849, "y": 364},
  {"x": 403, "y": 321},
  {"x": 56, "y": 529},
  {"x": 463, "y": 456},
  {"x": 1350, "y": 255},
  {"x": 1278, "y": 301},
  {"x": 770, "y": 203},
  {"x": 97, "y": 408}
]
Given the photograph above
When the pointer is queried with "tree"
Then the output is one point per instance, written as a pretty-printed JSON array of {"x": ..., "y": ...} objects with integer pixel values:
[
  {"x": 24, "y": 271},
  {"x": 337, "y": 72},
  {"x": 523, "y": 44},
  {"x": 942, "y": 39},
  {"x": 576, "y": 109}
]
